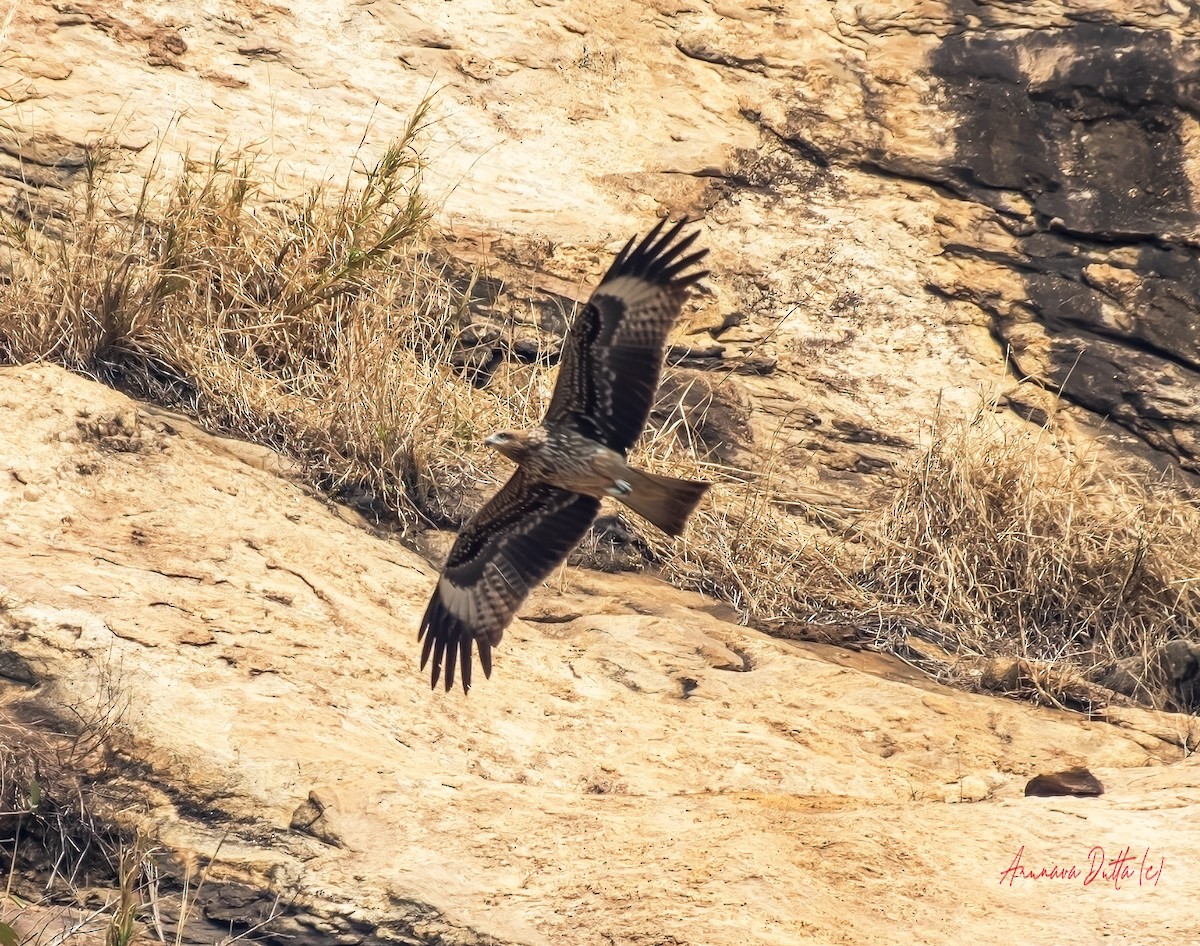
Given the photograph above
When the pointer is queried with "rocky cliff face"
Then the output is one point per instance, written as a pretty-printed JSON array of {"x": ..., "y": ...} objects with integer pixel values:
[
  {"x": 899, "y": 199},
  {"x": 909, "y": 205},
  {"x": 1082, "y": 140},
  {"x": 638, "y": 770}
]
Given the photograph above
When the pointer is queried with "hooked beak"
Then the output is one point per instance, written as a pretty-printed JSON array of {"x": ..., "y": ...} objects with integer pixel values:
[{"x": 493, "y": 441}]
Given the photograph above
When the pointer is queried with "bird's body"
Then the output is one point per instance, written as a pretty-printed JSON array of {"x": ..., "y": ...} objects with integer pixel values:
[
  {"x": 609, "y": 373},
  {"x": 562, "y": 456},
  {"x": 566, "y": 458}
]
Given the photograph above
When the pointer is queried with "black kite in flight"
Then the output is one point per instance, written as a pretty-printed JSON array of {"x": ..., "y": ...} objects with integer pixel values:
[{"x": 611, "y": 362}]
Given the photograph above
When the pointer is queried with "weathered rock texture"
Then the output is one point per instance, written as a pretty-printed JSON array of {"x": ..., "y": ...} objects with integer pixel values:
[
  {"x": 901, "y": 198},
  {"x": 1083, "y": 140},
  {"x": 638, "y": 770},
  {"x": 898, "y": 196}
]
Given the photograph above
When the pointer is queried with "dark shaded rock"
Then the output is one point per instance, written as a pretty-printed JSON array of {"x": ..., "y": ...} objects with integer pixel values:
[
  {"x": 311, "y": 817},
  {"x": 1168, "y": 677},
  {"x": 1155, "y": 398},
  {"x": 478, "y": 352},
  {"x": 717, "y": 357},
  {"x": 1095, "y": 147},
  {"x": 1077, "y": 781},
  {"x": 613, "y": 545},
  {"x": 709, "y": 414},
  {"x": 529, "y": 349},
  {"x": 16, "y": 668},
  {"x": 728, "y": 320},
  {"x": 1094, "y": 143},
  {"x": 698, "y": 47}
]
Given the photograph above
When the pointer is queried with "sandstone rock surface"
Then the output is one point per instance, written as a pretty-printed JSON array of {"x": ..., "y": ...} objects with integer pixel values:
[
  {"x": 902, "y": 199},
  {"x": 638, "y": 770}
]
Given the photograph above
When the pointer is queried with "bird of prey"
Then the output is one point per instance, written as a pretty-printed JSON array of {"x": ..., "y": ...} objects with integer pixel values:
[{"x": 612, "y": 358}]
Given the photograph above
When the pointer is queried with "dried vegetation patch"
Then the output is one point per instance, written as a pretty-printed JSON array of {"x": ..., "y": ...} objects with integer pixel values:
[
  {"x": 320, "y": 324},
  {"x": 326, "y": 324},
  {"x": 68, "y": 874},
  {"x": 1012, "y": 543},
  {"x": 999, "y": 556},
  {"x": 75, "y": 864}
]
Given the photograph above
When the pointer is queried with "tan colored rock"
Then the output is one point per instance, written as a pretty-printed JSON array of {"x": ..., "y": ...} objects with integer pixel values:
[
  {"x": 637, "y": 770},
  {"x": 884, "y": 231},
  {"x": 773, "y": 128},
  {"x": 514, "y": 153}
]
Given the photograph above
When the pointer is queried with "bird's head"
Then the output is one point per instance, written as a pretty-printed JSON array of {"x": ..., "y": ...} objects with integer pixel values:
[{"x": 514, "y": 444}]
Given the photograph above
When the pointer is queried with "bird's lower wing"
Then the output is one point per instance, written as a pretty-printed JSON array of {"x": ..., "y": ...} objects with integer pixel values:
[{"x": 500, "y": 555}]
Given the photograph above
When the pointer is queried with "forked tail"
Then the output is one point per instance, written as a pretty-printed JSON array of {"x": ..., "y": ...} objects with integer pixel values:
[{"x": 663, "y": 500}]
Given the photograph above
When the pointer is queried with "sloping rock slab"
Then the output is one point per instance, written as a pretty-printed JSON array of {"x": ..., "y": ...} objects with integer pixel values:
[{"x": 637, "y": 770}]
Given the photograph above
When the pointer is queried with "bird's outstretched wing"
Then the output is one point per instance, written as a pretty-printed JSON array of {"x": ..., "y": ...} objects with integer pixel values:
[
  {"x": 511, "y": 544},
  {"x": 613, "y": 355}
]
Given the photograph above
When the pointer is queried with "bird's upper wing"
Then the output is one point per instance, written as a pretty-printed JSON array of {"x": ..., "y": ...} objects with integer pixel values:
[
  {"x": 613, "y": 355},
  {"x": 511, "y": 544}
]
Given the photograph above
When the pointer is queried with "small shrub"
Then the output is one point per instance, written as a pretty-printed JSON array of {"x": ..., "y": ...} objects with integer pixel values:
[{"x": 1022, "y": 546}]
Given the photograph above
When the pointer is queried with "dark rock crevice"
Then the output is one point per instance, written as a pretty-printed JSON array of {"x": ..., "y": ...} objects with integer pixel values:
[{"x": 1087, "y": 125}]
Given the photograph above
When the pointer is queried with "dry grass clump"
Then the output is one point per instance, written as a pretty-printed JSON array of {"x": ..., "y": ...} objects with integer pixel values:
[
  {"x": 321, "y": 325},
  {"x": 72, "y": 868},
  {"x": 1022, "y": 546},
  {"x": 47, "y": 779},
  {"x": 742, "y": 545},
  {"x": 997, "y": 539},
  {"x": 53, "y": 842}
]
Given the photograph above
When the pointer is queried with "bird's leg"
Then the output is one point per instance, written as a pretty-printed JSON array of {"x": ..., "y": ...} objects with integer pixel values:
[
  {"x": 610, "y": 468},
  {"x": 620, "y": 488}
]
